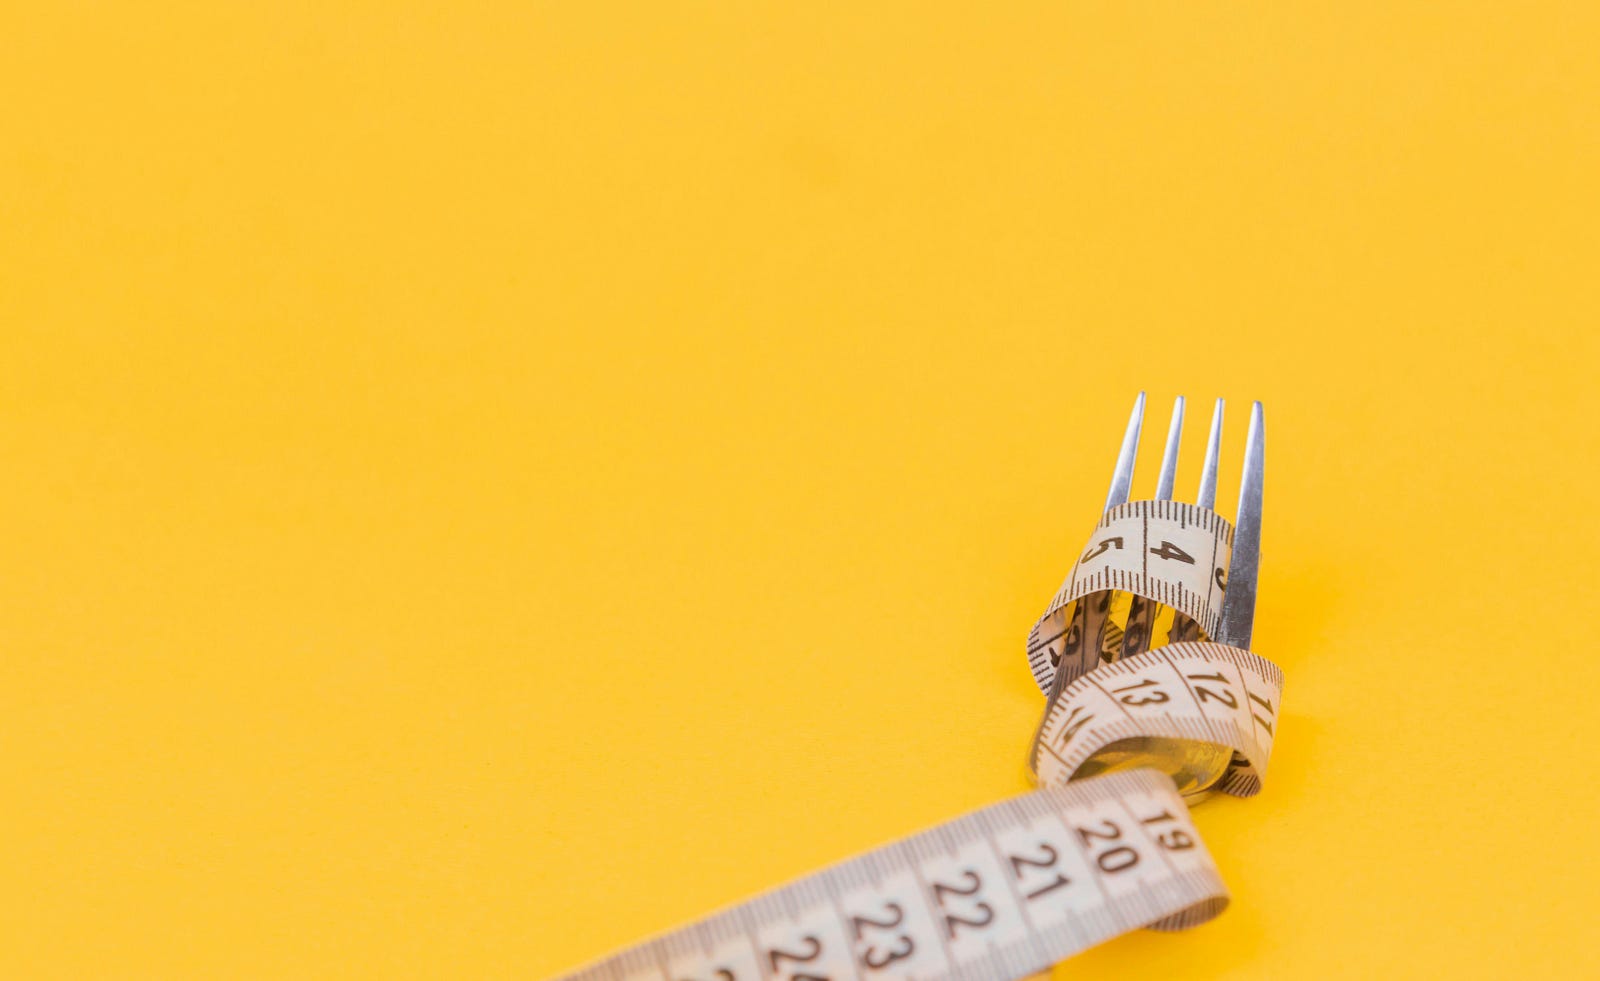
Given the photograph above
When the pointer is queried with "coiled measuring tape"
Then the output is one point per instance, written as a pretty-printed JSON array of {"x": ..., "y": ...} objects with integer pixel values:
[{"x": 1104, "y": 847}]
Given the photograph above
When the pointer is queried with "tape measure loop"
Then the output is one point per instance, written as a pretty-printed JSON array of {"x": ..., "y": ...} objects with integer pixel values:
[
  {"x": 1161, "y": 552},
  {"x": 1201, "y": 712}
]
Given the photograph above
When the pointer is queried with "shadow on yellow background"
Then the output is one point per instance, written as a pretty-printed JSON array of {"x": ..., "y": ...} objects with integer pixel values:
[{"x": 487, "y": 483}]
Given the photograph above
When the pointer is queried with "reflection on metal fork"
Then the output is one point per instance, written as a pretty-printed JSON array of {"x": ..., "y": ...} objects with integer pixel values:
[
  {"x": 1239, "y": 602},
  {"x": 1122, "y": 474},
  {"x": 1207, "y": 497}
]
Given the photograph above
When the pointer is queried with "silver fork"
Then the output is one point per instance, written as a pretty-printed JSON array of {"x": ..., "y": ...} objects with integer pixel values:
[
  {"x": 1239, "y": 602},
  {"x": 1239, "y": 598}
]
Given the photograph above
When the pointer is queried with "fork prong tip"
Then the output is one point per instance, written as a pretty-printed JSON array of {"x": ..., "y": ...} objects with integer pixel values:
[{"x": 1122, "y": 476}]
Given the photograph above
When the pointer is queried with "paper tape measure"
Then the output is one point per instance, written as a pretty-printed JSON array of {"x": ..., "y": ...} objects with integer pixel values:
[
  {"x": 1106, "y": 846},
  {"x": 1164, "y": 552}
]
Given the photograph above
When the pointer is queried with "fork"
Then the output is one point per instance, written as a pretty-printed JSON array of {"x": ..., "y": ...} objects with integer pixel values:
[
  {"x": 1239, "y": 602},
  {"x": 1239, "y": 597}
]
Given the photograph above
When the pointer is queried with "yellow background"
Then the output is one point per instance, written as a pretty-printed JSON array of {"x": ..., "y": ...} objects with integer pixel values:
[{"x": 484, "y": 483}]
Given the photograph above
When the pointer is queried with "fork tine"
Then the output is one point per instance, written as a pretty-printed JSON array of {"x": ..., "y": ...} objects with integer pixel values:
[
  {"x": 1208, "y": 476},
  {"x": 1239, "y": 605},
  {"x": 1136, "y": 635},
  {"x": 1169, "y": 457},
  {"x": 1122, "y": 476}
]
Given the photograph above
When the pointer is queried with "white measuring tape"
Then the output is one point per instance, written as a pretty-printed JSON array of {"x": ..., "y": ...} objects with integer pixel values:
[
  {"x": 1106, "y": 846},
  {"x": 1163, "y": 551}
]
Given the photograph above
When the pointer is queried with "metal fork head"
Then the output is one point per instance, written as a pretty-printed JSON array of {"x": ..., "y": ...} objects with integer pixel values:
[{"x": 1239, "y": 602}]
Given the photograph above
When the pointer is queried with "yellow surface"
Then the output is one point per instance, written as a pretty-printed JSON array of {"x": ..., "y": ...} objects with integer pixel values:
[{"x": 484, "y": 484}]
